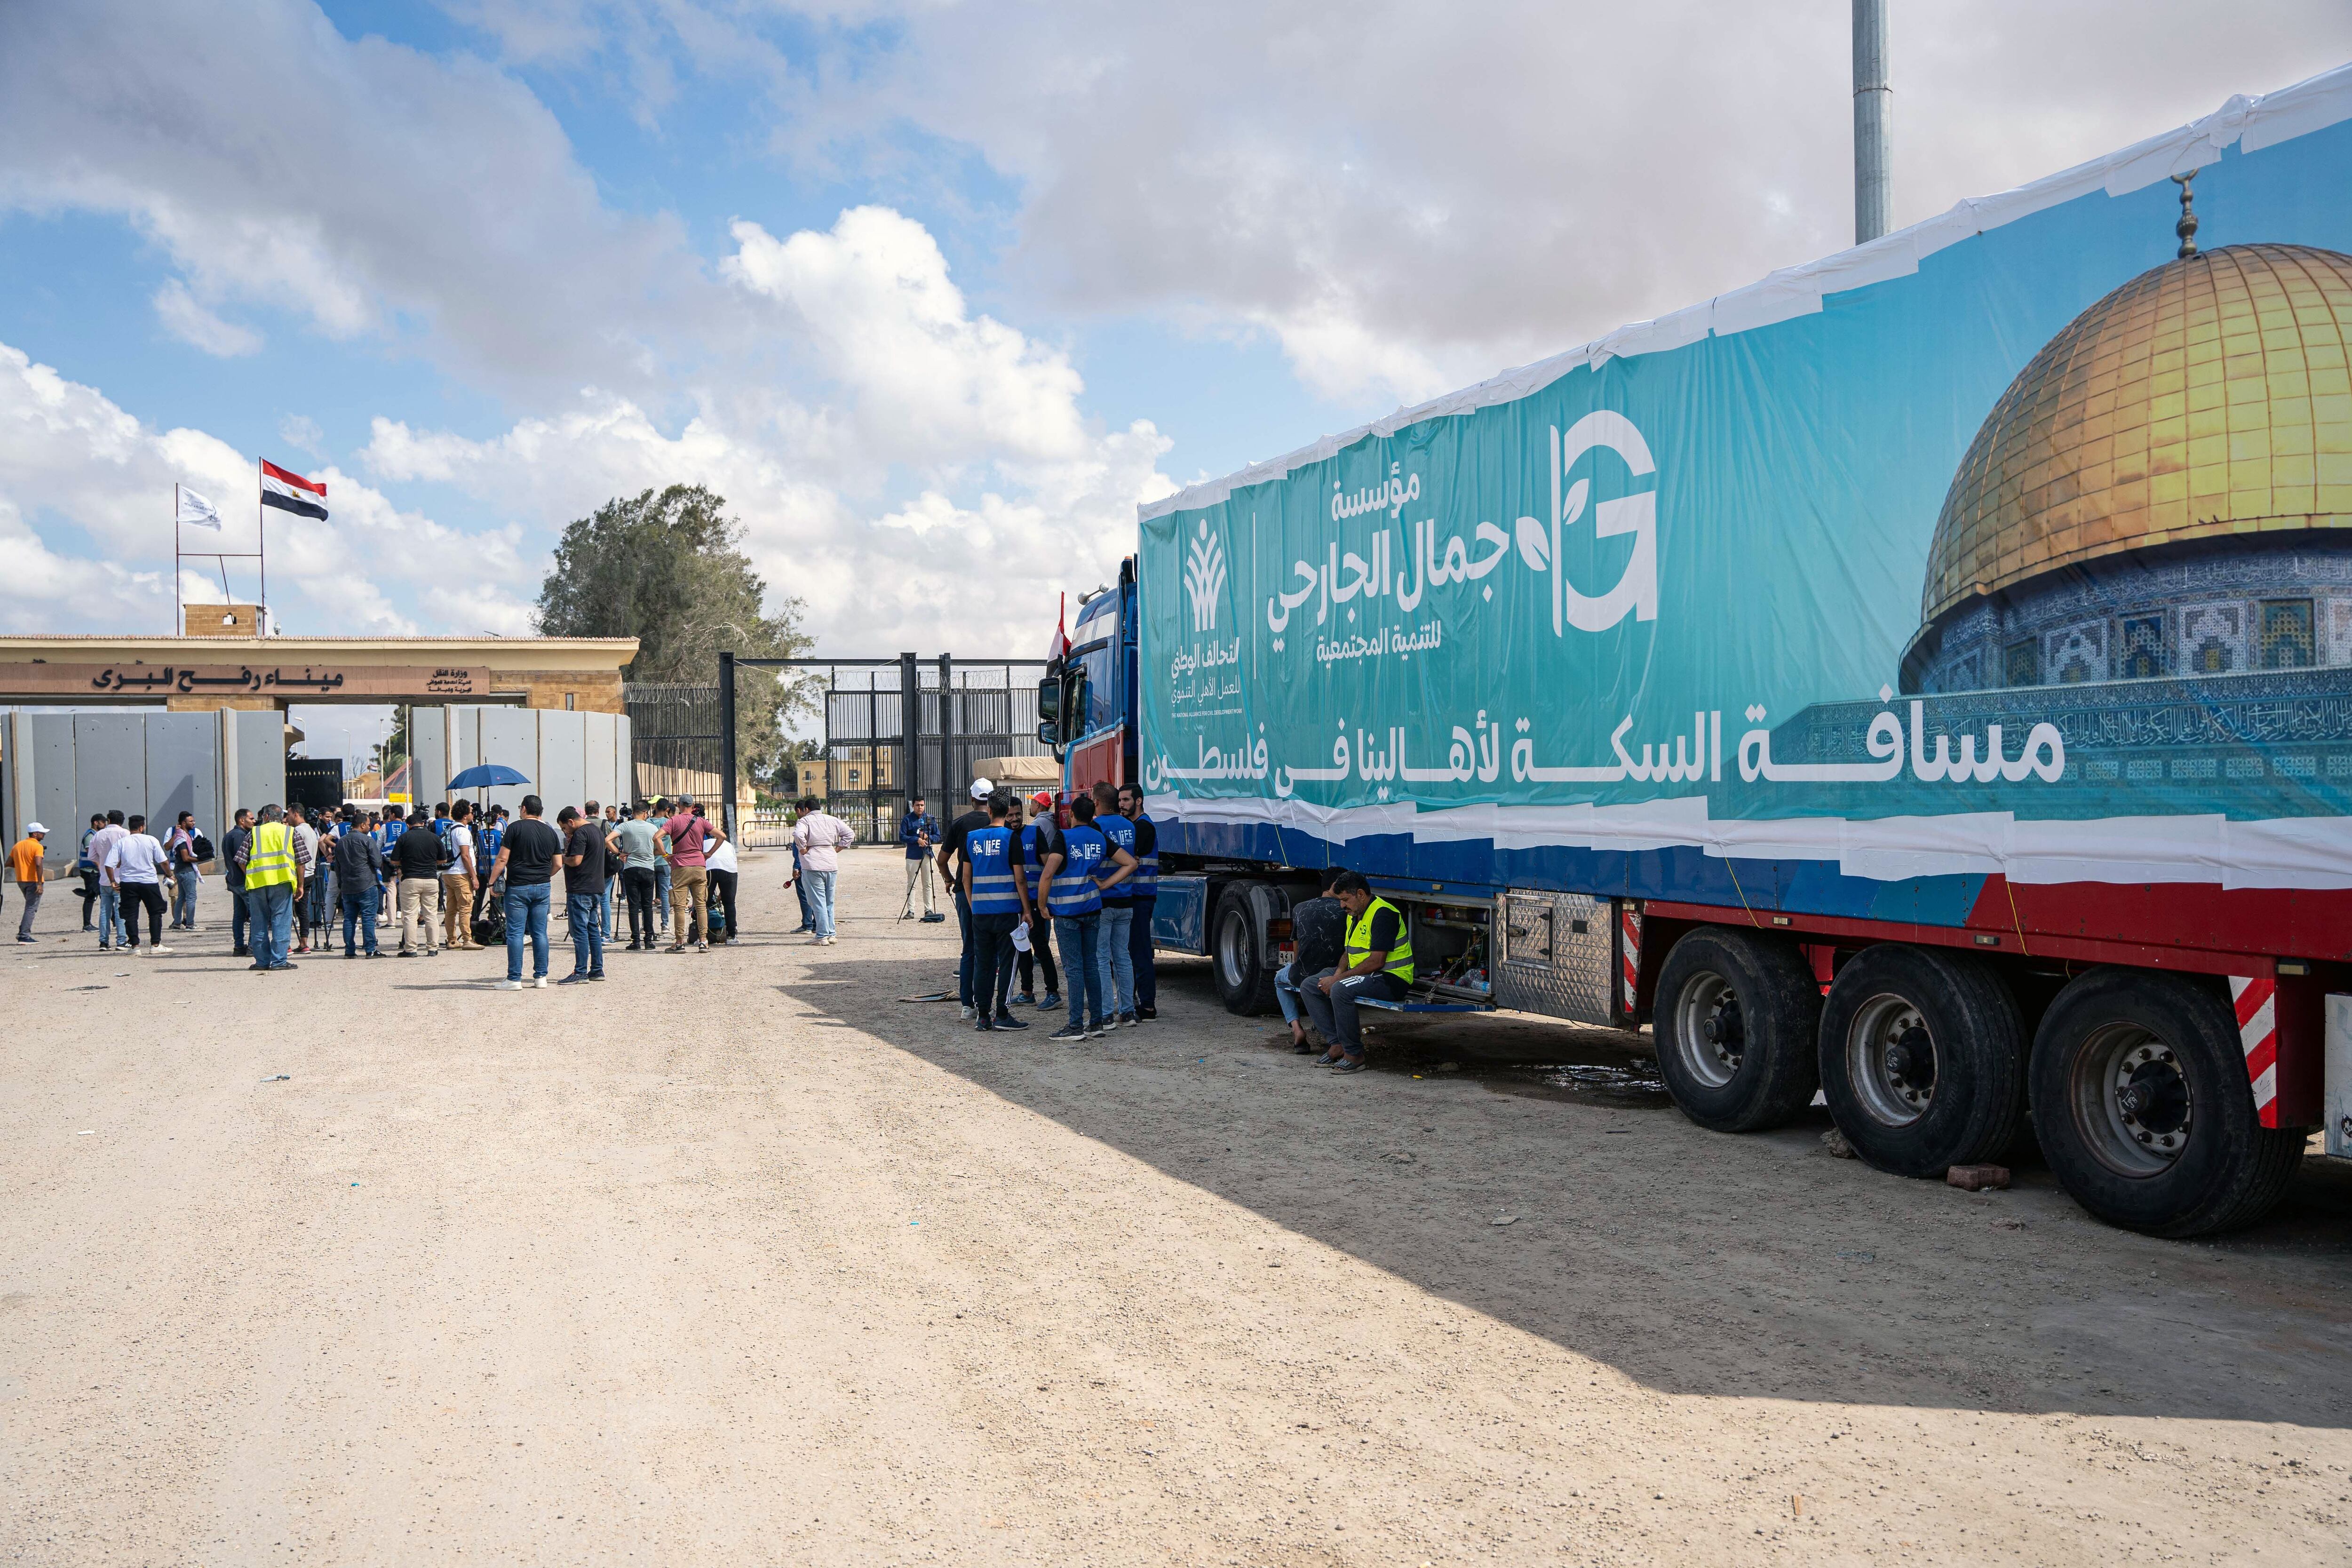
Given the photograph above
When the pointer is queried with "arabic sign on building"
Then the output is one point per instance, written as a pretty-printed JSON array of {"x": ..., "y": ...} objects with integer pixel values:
[
  {"x": 2048, "y": 537},
  {"x": 295, "y": 683}
]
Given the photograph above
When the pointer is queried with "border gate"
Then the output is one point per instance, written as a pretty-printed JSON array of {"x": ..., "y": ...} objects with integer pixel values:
[{"x": 877, "y": 743}]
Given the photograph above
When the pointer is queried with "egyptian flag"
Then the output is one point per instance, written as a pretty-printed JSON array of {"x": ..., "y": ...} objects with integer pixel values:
[{"x": 292, "y": 492}]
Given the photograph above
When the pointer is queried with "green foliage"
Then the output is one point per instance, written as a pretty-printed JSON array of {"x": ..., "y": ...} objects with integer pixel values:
[{"x": 665, "y": 568}]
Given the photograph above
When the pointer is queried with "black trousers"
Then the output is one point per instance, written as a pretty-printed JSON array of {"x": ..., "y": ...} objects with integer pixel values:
[
  {"x": 722, "y": 897},
  {"x": 637, "y": 883},
  {"x": 136, "y": 895},
  {"x": 992, "y": 959},
  {"x": 89, "y": 897}
]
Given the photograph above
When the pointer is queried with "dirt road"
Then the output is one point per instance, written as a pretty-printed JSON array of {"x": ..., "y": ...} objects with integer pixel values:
[{"x": 739, "y": 1258}]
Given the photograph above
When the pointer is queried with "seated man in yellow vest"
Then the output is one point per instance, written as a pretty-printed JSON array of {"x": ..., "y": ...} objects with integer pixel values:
[{"x": 1377, "y": 961}]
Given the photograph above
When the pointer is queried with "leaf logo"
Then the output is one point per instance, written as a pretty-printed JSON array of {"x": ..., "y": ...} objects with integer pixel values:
[{"x": 1204, "y": 577}]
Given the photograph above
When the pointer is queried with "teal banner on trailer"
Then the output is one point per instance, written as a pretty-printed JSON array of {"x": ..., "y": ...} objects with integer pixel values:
[{"x": 2055, "y": 529}]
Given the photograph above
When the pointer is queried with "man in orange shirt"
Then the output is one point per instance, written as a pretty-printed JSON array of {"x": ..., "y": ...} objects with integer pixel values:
[{"x": 25, "y": 864}]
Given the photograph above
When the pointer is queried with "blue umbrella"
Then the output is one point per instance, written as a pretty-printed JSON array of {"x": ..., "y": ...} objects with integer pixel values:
[{"x": 483, "y": 776}]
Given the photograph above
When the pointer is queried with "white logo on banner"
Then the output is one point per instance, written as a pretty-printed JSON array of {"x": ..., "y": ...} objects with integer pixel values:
[
  {"x": 1204, "y": 577},
  {"x": 1637, "y": 590}
]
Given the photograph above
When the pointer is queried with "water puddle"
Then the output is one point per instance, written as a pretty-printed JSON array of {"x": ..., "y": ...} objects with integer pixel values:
[{"x": 1536, "y": 1059}]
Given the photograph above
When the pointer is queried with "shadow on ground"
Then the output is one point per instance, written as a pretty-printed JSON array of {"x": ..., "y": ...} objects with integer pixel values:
[{"x": 1692, "y": 1262}]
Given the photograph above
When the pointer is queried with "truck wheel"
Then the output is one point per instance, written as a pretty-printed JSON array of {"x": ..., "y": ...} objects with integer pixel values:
[
  {"x": 1923, "y": 1060},
  {"x": 1735, "y": 1021},
  {"x": 1237, "y": 953},
  {"x": 2142, "y": 1106}
]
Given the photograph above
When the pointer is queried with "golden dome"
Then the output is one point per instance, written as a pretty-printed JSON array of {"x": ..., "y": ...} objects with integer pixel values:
[{"x": 2205, "y": 397}]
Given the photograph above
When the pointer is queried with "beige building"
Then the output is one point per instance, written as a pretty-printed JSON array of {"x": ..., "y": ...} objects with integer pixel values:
[{"x": 220, "y": 663}]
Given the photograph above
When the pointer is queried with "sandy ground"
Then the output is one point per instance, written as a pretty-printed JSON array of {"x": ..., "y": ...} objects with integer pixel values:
[{"x": 739, "y": 1259}]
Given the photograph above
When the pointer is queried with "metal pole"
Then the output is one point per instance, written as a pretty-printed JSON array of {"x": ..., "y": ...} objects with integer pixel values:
[
  {"x": 1873, "y": 175},
  {"x": 951, "y": 784},
  {"x": 179, "y": 605},
  {"x": 911, "y": 729},
  {"x": 727, "y": 743}
]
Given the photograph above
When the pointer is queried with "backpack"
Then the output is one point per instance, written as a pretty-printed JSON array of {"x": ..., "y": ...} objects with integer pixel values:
[
  {"x": 202, "y": 846},
  {"x": 447, "y": 835}
]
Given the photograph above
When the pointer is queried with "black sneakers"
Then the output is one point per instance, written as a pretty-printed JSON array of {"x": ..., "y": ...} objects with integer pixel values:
[{"x": 1007, "y": 1021}]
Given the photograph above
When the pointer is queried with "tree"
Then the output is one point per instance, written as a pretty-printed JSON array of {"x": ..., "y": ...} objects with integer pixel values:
[{"x": 666, "y": 568}]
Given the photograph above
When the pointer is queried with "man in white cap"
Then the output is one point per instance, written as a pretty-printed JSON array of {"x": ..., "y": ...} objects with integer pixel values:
[
  {"x": 25, "y": 864},
  {"x": 962, "y": 827}
]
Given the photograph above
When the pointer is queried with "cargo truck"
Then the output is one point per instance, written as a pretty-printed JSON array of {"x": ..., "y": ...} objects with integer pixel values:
[{"x": 1922, "y": 678}]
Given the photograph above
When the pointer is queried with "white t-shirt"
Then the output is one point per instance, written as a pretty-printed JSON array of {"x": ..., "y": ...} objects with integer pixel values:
[
  {"x": 137, "y": 858},
  {"x": 721, "y": 858},
  {"x": 463, "y": 837}
]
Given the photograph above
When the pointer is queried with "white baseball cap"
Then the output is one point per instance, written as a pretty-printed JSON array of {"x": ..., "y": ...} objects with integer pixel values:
[
  {"x": 981, "y": 789},
  {"x": 35, "y": 827}
]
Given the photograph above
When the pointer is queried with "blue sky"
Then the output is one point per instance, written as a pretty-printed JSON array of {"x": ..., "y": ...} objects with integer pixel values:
[{"x": 934, "y": 292}]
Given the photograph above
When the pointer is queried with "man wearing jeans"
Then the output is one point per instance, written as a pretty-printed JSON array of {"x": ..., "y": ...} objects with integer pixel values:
[
  {"x": 111, "y": 930},
  {"x": 1068, "y": 889},
  {"x": 273, "y": 880},
  {"x": 1318, "y": 928},
  {"x": 1141, "y": 956},
  {"x": 233, "y": 845},
  {"x": 820, "y": 838},
  {"x": 1116, "y": 874},
  {"x": 25, "y": 863},
  {"x": 583, "y": 893},
  {"x": 527, "y": 860},
  {"x": 185, "y": 877},
  {"x": 359, "y": 868},
  {"x": 1376, "y": 960}
]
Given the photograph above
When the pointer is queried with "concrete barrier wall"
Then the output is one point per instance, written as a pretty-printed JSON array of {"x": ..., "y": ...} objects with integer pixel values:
[{"x": 62, "y": 767}]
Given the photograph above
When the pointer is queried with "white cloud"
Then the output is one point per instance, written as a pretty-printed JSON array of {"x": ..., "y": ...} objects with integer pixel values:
[
  {"x": 1022, "y": 500},
  {"x": 1411, "y": 196},
  {"x": 364, "y": 188},
  {"x": 302, "y": 433},
  {"x": 191, "y": 322},
  {"x": 69, "y": 455}
]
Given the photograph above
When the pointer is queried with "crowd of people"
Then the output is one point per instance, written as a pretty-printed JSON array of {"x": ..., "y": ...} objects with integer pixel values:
[
  {"x": 448, "y": 878},
  {"x": 456, "y": 878}
]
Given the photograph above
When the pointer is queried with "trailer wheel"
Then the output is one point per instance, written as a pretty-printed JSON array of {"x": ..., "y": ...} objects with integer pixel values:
[
  {"x": 2141, "y": 1104},
  {"x": 1923, "y": 1060},
  {"x": 1237, "y": 954},
  {"x": 1735, "y": 1020}
]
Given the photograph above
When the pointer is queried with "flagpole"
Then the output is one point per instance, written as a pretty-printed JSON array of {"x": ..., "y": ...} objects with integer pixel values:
[
  {"x": 179, "y": 605},
  {"x": 261, "y": 545}
]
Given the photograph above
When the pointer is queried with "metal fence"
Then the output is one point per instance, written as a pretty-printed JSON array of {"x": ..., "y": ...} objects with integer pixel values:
[
  {"x": 673, "y": 739},
  {"x": 963, "y": 712}
]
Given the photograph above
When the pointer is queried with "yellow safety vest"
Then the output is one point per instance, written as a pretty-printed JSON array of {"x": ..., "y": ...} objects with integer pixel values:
[
  {"x": 270, "y": 859},
  {"x": 1360, "y": 940}
]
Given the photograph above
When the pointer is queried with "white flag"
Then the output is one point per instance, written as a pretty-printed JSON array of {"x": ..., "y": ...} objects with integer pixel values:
[{"x": 196, "y": 511}]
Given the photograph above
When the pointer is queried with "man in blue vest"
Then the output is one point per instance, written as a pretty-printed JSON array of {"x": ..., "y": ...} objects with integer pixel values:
[
  {"x": 989, "y": 872},
  {"x": 1037, "y": 839},
  {"x": 1117, "y": 958},
  {"x": 1145, "y": 899},
  {"x": 1068, "y": 888}
]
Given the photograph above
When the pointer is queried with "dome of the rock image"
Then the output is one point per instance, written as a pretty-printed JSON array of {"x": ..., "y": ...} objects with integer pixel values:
[{"x": 2166, "y": 489}]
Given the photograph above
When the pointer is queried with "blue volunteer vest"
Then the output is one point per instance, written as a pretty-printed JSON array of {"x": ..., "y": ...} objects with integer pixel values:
[
  {"x": 1075, "y": 891},
  {"x": 1120, "y": 832},
  {"x": 1146, "y": 879},
  {"x": 1029, "y": 855},
  {"x": 992, "y": 891}
]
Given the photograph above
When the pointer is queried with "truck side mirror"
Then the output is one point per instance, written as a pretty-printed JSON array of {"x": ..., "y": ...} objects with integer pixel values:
[
  {"x": 1049, "y": 698},
  {"x": 1049, "y": 737}
]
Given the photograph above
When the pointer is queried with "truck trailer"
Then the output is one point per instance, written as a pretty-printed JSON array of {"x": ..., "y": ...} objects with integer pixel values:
[{"x": 1923, "y": 678}]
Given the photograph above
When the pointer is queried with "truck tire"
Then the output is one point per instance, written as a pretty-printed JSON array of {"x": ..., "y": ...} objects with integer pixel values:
[
  {"x": 1923, "y": 1060},
  {"x": 1237, "y": 954},
  {"x": 2142, "y": 1107},
  {"x": 1734, "y": 1021}
]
